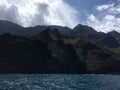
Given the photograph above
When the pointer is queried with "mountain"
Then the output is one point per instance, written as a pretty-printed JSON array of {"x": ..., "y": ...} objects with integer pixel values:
[
  {"x": 40, "y": 54},
  {"x": 7, "y": 26},
  {"x": 56, "y": 49},
  {"x": 115, "y": 34},
  {"x": 34, "y": 55},
  {"x": 10, "y": 27},
  {"x": 99, "y": 59},
  {"x": 109, "y": 41},
  {"x": 86, "y": 32}
]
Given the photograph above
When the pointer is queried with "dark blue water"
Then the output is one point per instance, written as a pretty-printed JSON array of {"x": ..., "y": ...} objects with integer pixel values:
[{"x": 59, "y": 82}]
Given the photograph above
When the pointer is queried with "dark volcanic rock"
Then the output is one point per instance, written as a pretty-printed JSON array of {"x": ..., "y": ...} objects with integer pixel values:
[
  {"x": 67, "y": 59},
  {"x": 23, "y": 55},
  {"x": 98, "y": 59},
  {"x": 56, "y": 49},
  {"x": 86, "y": 32},
  {"x": 109, "y": 41},
  {"x": 115, "y": 34}
]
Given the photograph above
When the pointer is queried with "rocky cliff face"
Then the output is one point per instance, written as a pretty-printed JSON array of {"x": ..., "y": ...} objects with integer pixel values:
[
  {"x": 34, "y": 55},
  {"x": 47, "y": 50},
  {"x": 98, "y": 59}
]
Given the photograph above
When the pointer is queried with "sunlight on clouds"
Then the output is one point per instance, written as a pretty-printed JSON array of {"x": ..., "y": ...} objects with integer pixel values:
[
  {"x": 39, "y": 12},
  {"x": 63, "y": 13}
]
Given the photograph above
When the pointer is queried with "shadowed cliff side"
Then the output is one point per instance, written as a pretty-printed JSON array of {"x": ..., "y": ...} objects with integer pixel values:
[{"x": 28, "y": 55}]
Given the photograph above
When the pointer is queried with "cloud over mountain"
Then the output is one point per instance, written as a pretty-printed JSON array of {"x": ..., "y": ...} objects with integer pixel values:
[{"x": 38, "y": 12}]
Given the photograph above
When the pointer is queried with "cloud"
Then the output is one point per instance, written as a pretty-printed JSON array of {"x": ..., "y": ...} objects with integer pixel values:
[
  {"x": 38, "y": 12},
  {"x": 106, "y": 19},
  {"x": 10, "y": 13},
  {"x": 92, "y": 18},
  {"x": 104, "y": 7}
]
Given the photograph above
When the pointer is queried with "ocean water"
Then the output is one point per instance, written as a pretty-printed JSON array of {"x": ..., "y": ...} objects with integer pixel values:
[{"x": 59, "y": 82}]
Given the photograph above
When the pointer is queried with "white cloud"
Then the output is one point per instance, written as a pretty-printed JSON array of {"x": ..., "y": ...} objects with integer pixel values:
[
  {"x": 92, "y": 18},
  {"x": 38, "y": 12},
  {"x": 114, "y": 10},
  {"x": 106, "y": 19},
  {"x": 104, "y": 7},
  {"x": 109, "y": 18}
]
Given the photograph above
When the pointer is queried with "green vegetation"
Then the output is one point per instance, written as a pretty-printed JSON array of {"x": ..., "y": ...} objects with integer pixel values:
[
  {"x": 116, "y": 50},
  {"x": 65, "y": 39},
  {"x": 70, "y": 40},
  {"x": 53, "y": 37}
]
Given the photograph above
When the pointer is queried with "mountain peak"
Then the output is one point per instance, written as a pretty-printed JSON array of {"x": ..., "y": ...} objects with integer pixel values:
[
  {"x": 84, "y": 28},
  {"x": 113, "y": 32},
  {"x": 9, "y": 23}
]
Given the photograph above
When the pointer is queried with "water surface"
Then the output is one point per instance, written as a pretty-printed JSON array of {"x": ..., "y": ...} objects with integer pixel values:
[{"x": 59, "y": 82}]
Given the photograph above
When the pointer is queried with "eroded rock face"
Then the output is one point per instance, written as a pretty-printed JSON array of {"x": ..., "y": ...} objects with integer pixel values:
[
  {"x": 67, "y": 59},
  {"x": 109, "y": 41},
  {"x": 115, "y": 34},
  {"x": 98, "y": 59},
  {"x": 55, "y": 49},
  {"x": 34, "y": 55},
  {"x": 19, "y": 54}
]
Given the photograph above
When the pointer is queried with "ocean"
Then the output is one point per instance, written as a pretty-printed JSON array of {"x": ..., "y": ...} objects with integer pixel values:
[{"x": 59, "y": 82}]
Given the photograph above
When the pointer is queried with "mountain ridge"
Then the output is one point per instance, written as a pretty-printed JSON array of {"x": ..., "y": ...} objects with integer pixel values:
[{"x": 47, "y": 50}]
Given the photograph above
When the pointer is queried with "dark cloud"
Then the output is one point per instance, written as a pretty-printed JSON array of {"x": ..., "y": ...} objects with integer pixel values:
[
  {"x": 41, "y": 13},
  {"x": 10, "y": 13}
]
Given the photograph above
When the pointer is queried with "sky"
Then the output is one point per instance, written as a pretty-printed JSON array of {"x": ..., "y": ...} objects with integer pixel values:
[{"x": 102, "y": 15}]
